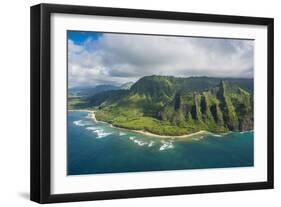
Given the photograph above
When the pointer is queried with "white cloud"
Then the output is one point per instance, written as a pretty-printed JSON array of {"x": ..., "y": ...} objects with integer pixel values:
[{"x": 119, "y": 58}]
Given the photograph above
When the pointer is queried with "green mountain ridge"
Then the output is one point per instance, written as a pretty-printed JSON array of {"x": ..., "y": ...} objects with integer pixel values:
[
  {"x": 226, "y": 107},
  {"x": 168, "y": 105}
]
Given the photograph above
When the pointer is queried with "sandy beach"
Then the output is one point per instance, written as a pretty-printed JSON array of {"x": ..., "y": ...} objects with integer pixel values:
[{"x": 202, "y": 132}]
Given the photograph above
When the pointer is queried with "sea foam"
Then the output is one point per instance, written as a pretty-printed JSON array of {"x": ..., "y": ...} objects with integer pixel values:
[
  {"x": 102, "y": 134},
  {"x": 216, "y": 135},
  {"x": 91, "y": 128},
  {"x": 197, "y": 138},
  {"x": 82, "y": 123},
  {"x": 132, "y": 138},
  {"x": 99, "y": 132},
  {"x": 122, "y": 133},
  {"x": 79, "y": 123},
  {"x": 166, "y": 145},
  {"x": 151, "y": 143},
  {"x": 141, "y": 142},
  {"x": 89, "y": 116},
  {"x": 243, "y": 132}
]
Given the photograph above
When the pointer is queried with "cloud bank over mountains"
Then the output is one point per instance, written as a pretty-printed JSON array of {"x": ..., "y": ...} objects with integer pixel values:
[{"x": 119, "y": 58}]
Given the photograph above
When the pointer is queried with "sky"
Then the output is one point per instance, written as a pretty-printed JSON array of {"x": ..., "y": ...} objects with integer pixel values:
[{"x": 96, "y": 58}]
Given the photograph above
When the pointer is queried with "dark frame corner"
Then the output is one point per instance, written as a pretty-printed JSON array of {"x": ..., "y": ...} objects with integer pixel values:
[{"x": 41, "y": 95}]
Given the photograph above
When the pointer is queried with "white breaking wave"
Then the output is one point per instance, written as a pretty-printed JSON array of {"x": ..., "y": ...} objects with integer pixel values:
[
  {"x": 166, "y": 145},
  {"x": 216, "y": 135},
  {"x": 82, "y": 123},
  {"x": 197, "y": 138},
  {"x": 101, "y": 134},
  {"x": 140, "y": 143},
  {"x": 91, "y": 128},
  {"x": 151, "y": 143},
  {"x": 79, "y": 123},
  {"x": 122, "y": 133},
  {"x": 132, "y": 138},
  {"x": 243, "y": 132},
  {"x": 89, "y": 116}
]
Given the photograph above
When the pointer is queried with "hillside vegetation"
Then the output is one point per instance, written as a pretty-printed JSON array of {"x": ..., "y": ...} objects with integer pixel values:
[{"x": 167, "y": 105}]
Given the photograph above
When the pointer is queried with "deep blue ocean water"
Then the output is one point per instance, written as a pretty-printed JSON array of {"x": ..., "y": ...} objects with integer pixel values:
[{"x": 100, "y": 148}]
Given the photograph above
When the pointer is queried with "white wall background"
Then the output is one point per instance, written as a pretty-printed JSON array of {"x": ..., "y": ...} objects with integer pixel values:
[{"x": 14, "y": 103}]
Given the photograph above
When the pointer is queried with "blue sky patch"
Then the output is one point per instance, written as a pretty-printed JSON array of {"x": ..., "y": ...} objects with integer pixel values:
[{"x": 79, "y": 37}]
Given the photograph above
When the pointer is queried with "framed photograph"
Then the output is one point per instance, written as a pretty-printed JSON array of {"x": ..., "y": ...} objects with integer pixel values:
[{"x": 133, "y": 103}]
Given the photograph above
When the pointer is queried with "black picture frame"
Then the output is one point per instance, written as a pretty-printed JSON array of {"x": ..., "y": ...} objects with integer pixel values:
[{"x": 41, "y": 97}]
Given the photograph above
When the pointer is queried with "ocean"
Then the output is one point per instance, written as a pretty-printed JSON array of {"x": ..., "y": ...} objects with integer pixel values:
[{"x": 96, "y": 147}]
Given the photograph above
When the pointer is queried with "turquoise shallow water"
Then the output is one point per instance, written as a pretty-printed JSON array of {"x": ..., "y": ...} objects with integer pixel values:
[{"x": 100, "y": 148}]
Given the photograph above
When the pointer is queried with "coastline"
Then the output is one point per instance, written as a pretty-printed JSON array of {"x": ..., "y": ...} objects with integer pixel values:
[
  {"x": 146, "y": 133},
  {"x": 93, "y": 116},
  {"x": 82, "y": 110}
]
